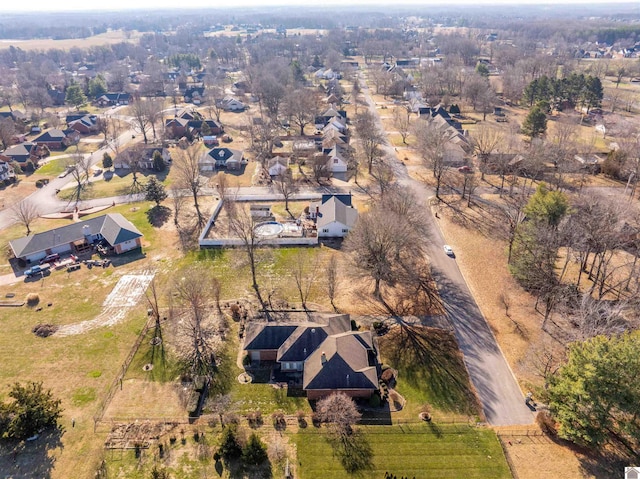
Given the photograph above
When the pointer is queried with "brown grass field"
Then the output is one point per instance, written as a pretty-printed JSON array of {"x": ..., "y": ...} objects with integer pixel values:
[{"x": 108, "y": 38}]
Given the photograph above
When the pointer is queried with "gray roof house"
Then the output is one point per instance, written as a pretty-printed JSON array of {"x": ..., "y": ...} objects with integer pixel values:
[
  {"x": 320, "y": 356},
  {"x": 119, "y": 234},
  {"x": 334, "y": 216},
  {"x": 20, "y": 153}
]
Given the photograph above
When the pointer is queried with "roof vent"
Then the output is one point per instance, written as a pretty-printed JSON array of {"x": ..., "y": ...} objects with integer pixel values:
[{"x": 323, "y": 358}]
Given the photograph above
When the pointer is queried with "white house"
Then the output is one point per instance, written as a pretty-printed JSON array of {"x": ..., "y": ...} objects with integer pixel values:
[
  {"x": 336, "y": 163},
  {"x": 277, "y": 166},
  {"x": 335, "y": 216},
  {"x": 6, "y": 171},
  {"x": 229, "y": 103}
]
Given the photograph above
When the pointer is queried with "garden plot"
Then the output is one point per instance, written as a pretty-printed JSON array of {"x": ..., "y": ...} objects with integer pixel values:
[{"x": 125, "y": 295}]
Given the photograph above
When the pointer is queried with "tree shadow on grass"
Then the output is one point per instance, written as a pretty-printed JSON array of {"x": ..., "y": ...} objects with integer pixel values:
[
  {"x": 158, "y": 215},
  {"x": 25, "y": 460},
  {"x": 353, "y": 451}
]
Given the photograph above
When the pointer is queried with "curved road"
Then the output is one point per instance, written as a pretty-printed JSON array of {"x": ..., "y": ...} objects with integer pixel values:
[{"x": 501, "y": 398}]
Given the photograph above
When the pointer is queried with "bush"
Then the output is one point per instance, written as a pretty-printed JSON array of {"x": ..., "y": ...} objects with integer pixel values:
[
  {"x": 255, "y": 418},
  {"x": 374, "y": 400},
  {"x": 29, "y": 167},
  {"x": 279, "y": 420},
  {"x": 315, "y": 419},
  {"x": 546, "y": 423},
  {"x": 33, "y": 299},
  {"x": 246, "y": 360}
]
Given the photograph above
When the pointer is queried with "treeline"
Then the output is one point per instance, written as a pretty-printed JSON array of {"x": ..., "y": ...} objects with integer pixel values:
[{"x": 558, "y": 93}]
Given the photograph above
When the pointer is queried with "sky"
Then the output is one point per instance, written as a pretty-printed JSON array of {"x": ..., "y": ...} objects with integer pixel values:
[{"x": 82, "y": 5}]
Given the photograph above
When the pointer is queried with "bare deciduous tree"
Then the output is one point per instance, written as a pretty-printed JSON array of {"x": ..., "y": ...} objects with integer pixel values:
[
  {"x": 402, "y": 122},
  {"x": 7, "y": 132},
  {"x": 187, "y": 169},
  {"x": 301, "y": 105},
  {"x": 304, "y": 273},
  {"x": 387, "y": 243},
  {"x": 332, "y": 278},
  {"x": 371, "y": 138},
  {"x": 78, "y": 167},
  {"x": 432, "y": 144},
  {"x": 485, "y": 140},
  {"x": 339, "y": 411},
  {"x": 193, "y": 289},
  {"x": 287, "y": 187},
  {"x": 25, "y": 213},
  {"x": 243, "y": 226}
]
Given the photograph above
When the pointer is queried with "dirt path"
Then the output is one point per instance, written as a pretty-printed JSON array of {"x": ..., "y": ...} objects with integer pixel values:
[{"x": 125, "y": 295}]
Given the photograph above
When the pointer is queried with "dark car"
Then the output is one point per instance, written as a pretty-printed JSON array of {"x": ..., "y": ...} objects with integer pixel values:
[{"x": 51, "y": 258}]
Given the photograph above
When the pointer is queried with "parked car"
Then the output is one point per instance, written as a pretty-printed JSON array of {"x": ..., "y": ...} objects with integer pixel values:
[
  {"x": 37, "y": 269},
  {"x": 50, "y": 258},
  {"x": 449, "y": 251}
]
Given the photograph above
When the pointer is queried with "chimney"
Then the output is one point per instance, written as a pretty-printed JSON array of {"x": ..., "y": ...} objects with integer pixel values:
[{"x": 323, "y": 358}]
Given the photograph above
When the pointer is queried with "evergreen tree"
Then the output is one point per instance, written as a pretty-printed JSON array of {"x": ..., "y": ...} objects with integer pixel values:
[
  {"x": 97, "y": 87},
  {"x": 535, "y": 124},
  {"x": 158, "y": 161},
  {"x": 482, "y": 70},
  {"x": 594, "y": 396},
  {"x": 75, "y": 96},
  {"x": 230, "y": 447},
  {"x": 154, "y": 191},
  {"x": 255, "y": 452},
  {"x": 107, "y": 161},
  {"x": 33, "y": 409}
]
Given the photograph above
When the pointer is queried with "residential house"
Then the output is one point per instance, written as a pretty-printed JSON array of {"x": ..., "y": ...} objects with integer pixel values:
[
  {"x": 196, "y": 126},
  {"x": 229, "y": 103},
  {"x": 321, "y": 356},
  {"x": 176, "y": 127},
  {"x": 334, "y": 215},
  {"x": 22, "y": 153},
  {"x": 112, "y": 231},
  {"x": 277, "y": 166},
  {"x": 194, "y": 94},
  {"x": 85, "y": 124},
  {"x": 56, "y": 139},
  {"x": 6, "y": 171},
  {"x": 113, "y": 99},
  {"x": 15, "y": 115},
  {"x": 337, "y": 162},
  {"x": 58, "y": 97},
  {"x": 188, "y": 114},
  {"x": 330, "y": 114},
  {"x": 146, "y": 158},
  {"x": 217, "y": 158}
]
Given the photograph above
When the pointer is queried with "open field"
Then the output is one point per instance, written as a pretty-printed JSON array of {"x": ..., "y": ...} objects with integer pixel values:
[
  {"x": 108, "y": 38},
  {"x": 77, "y": 368},
  {"x": 411, "y": 450}
]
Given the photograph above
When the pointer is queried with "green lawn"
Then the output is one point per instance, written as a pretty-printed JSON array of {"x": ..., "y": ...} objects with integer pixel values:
[
  {"x": 416, "y": 450},
  {"x": 430, "y": 370},
  {"x": 53, "y": 167}
]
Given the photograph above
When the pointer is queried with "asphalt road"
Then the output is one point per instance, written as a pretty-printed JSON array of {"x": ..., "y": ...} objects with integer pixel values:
[{"x": 499, "y": 393}]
